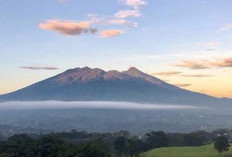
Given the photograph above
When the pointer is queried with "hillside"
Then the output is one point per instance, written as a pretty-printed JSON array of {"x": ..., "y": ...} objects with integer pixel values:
[
  {"x": 86, "y": 84},
  {"x": 201, "y": 151}
]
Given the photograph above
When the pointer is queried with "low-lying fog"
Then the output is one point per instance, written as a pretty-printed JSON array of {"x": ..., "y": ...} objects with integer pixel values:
[
  {"x": 58, "y": 116},
  {"x": 93, "y": 105}
]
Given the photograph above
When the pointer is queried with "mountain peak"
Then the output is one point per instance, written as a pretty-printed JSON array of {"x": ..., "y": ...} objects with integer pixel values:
[
  {"x": 134, "y": 72},
  {"x": 85, "y": 68},
  {"x": 86, "y": 74},
  {"x": 133, "y": 69},
  {"x": 79, "y": 75},
  {"x": 75, "y": 70}
]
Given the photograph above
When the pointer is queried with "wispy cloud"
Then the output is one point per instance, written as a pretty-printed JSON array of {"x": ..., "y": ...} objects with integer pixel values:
[
  {"x": 110, "y": 33},
  {"x": 192, "y": 65},
  {"x": 227, "y": 62},
  {"x": 135, "y": 3},
  {"x": 96, "y": 20},
  {"x": 182, "y": 85},
  {"x": 135, "y": 12},
  {"x": 38, "y": 68},
  {"x": 224, "y": 28},
  {"x": 174, "y": 73},
  {"x": 121, "y": 22},
  {"x": 127, "y": 13},
  {"x": 204, "y": 64},
  {"x": 197, "y": 75},
  {"x": 170, "y": 73},
  {"x": 70, "y": 28}
]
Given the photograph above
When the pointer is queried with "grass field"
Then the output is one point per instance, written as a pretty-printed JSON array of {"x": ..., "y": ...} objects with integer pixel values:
[{"x": 202, "y": 151}]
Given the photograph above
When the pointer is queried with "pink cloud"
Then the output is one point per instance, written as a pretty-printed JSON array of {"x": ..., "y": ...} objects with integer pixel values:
[
  {"x": 110, "y": 33},
  {"x": 68, "y": 27}
]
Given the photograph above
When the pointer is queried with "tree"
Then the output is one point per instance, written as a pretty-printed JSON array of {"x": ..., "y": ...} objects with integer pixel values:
[
  {"x": 120, "y": 145},
  {"x": 156, "y": 139},
  {"x": 93, "y": 150},
  {"x": 221, "y": 144},
  {"x": 134, "y": 146},
  {"x": 195, "y": 139}
]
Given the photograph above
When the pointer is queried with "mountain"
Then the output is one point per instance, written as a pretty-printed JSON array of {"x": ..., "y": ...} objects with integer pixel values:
[{"x": 86, "y": 84}]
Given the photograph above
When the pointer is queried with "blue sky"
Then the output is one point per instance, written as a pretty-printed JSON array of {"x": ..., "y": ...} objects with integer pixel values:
[{"x": 159, "y": 37}]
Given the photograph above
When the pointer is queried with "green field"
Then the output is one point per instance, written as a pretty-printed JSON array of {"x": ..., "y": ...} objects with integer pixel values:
[{"x": 202, "y": 151}]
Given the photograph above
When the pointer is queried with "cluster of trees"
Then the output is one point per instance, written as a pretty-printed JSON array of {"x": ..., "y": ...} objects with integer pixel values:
[
  {"x": 133, "y": 146},
  {"x": 121, "y": 144},
  {"x": 191, "y": 139},
  {"x": 49, "y": 146}
]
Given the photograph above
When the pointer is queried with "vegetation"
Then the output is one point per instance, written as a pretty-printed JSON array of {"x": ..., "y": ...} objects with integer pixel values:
[
  {"x": 118, "y": 144},
  {"x": 48, "y": 146},
  {"x": 221, "y": 144}
]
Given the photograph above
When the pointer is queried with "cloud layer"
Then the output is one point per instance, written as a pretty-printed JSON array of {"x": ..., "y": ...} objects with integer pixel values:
[{"x": 92, "y": 105}]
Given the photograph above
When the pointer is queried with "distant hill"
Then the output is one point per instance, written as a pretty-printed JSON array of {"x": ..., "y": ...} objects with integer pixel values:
[{"x": 86, "y": 84}]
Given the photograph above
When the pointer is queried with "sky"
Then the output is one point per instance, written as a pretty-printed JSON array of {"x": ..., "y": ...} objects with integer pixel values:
[{"x": 183, "y": 42}]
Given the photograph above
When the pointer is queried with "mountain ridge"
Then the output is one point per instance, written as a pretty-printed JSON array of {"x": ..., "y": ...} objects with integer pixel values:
[{"x": 94, "y": 84}]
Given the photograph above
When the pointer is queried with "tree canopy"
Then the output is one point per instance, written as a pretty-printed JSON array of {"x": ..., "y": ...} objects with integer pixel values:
[{"x": 221, "y": 144}]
